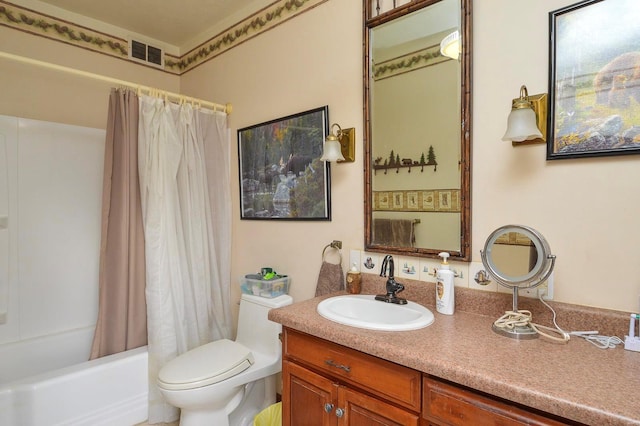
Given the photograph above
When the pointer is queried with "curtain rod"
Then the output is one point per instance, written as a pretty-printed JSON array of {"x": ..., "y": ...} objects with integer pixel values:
[{"x": 151, "y": 90}]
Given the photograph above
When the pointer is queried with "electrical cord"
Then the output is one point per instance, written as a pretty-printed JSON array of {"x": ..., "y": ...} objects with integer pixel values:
[
  {"x": 524, "y": 318},
  {"x": 598, "y": 340}
]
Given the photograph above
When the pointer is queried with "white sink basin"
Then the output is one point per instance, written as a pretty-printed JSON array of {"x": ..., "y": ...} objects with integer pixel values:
[{"x": 363, "y": 311}]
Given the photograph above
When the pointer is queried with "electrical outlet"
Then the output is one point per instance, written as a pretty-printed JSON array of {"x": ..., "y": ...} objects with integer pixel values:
[
  {"x": 549, "y": 293},
  {"x": 546, "y": 288}
]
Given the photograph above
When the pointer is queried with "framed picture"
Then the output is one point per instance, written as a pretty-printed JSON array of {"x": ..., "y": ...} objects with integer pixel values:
[
  {"x": 281, "y": 174},
  {"x": 594, "y": 79}
]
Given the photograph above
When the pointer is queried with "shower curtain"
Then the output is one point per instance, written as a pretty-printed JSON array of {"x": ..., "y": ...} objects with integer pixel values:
[
  {"x": 183, "y": 158},
  {"x": 122, "y": 314}
]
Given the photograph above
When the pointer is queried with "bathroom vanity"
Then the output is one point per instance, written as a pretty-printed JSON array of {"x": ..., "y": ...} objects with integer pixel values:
[
  {"x": 329, "y": 384},
  {"x": 456, "y": 371}
]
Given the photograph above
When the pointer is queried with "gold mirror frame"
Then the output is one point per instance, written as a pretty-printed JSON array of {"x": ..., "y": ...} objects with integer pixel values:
[{"x": 370, "y": 22}]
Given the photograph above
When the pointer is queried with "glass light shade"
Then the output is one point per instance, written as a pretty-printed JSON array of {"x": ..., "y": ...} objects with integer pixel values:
[
  {"x": 522, "y": 126},
  {"x": 450, "y": 45},
  {"x": 332, "y": 150}
]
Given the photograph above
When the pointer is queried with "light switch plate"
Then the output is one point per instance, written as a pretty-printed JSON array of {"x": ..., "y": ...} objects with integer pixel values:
[{"x": 354, "y": 258}]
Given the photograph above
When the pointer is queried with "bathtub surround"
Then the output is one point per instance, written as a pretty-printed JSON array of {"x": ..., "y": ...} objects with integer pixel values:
[
  {"x": 54, "y": 197},
  {"x": 122, "y": 311}
]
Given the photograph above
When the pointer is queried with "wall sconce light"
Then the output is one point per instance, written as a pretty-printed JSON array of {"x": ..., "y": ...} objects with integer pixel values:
[
  {"x": 339, "y": 145},
  {"x": 450, "y": 45},
  {"x": 527, "y": 122}
]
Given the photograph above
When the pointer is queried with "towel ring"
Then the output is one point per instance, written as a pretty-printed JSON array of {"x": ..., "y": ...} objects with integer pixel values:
[{"x": 334, "y": 245}]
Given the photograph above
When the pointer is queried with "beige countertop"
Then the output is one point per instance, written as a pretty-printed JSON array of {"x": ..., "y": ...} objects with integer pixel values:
[{"x": 577, "y": 381}]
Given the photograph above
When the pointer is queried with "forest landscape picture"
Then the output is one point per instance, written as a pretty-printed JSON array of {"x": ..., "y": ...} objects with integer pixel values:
[
  {"x": 281, "y": 174},
  {"x": 594, "y": 81}
]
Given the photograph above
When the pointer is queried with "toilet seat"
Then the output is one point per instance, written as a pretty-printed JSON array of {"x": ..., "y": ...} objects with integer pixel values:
[{"x": 205, "y": 365}]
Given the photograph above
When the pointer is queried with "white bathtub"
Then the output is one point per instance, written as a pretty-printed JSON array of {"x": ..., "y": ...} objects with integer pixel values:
[{"x": 41, "y": 385}]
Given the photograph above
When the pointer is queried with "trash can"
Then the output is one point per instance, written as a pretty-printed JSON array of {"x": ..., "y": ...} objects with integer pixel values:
[{"x": 270, "y": 416}]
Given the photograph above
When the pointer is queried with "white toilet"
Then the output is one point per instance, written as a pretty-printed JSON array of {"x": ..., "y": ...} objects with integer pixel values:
[{"x": 226, "y": 383}]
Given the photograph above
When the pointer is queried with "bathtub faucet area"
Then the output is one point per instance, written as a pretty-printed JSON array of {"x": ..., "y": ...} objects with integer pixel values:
[{"x": 392, "y": 286}]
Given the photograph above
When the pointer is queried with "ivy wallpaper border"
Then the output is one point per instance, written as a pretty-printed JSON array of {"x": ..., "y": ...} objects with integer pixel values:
[
  {"x": 39, "y": 24},
  {"x": 30, "y": 21},
  {"x": 411, "y": 61},
  {"x": 261, "y": 21}
]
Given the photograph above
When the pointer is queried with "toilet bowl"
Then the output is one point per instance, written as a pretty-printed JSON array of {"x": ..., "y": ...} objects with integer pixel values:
[{"x": 226, "y": 383}]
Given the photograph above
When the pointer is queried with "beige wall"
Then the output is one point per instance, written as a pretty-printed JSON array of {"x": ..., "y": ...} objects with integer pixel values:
[
  {"x": 307, "y": 62},
  {"x": 586, "y": 208},
  {"x": 42, "y": 94}
]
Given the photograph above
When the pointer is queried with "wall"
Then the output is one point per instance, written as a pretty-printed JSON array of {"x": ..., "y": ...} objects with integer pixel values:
[
  {"x": 585, "y": 208},
  {"x": 307, "y": 62},
  {"x": 42, "y": 94}
]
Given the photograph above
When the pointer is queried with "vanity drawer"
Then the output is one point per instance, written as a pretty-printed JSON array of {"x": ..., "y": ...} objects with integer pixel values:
[
  {"x": 448, "y": 404},
  {"x": 393, "y": 382}
]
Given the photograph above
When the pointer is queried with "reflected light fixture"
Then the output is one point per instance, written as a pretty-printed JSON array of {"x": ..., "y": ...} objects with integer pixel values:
[
  {"x": 450, "y": 45},
  {"x": 527, "y": 122},
  {"x": 339, "y": 145}
]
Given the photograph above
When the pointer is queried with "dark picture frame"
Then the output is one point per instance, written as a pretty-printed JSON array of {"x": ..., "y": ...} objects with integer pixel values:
[
  {"x": 281, "y": 174},
  {"x": 594, "y": 79}
]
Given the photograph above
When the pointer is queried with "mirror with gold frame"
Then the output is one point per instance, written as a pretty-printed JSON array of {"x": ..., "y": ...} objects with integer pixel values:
[{"x": 417, "y": 133}]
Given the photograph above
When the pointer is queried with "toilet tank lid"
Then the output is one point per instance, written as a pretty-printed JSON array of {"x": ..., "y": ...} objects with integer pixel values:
[
  {"x": 276, "y": 302},
  {"x": 205, "y": 365}
]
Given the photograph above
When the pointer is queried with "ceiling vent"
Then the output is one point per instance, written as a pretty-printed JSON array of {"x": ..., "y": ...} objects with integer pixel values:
[{"x": 143, "y": 52}]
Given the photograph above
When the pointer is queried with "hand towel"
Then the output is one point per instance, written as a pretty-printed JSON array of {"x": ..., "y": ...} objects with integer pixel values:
[{"x": 330, "y": 278}]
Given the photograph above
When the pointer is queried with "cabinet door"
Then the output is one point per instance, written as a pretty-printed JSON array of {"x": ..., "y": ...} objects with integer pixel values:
[
  {"x": 308, "y": 399},
  {"x": 362, "y": 410}
]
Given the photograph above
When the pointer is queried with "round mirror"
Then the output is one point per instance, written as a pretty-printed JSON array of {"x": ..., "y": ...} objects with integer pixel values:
[{"x": 517, "y": 256}]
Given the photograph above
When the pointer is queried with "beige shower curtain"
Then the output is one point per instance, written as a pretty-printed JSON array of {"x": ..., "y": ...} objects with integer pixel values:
[{"x": 122, "y": 315}]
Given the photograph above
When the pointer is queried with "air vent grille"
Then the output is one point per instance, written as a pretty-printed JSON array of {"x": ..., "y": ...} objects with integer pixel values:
[
  {"x": 148, "y": 54},
  {"x": 138, "y": 50},
  {"x": 154, "y": 55}
]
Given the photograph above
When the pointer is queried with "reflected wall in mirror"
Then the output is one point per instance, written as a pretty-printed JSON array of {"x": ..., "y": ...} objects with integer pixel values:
[
  {"x": 514, "y": 254},
  {"x": 417, "y": 128},
  {"x": 517, "y": 256}
]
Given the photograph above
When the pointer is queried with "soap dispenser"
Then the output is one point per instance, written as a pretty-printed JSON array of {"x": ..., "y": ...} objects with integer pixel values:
[
  {"x": 354, "y": 280},
  {"x": 445, "y": 295}
]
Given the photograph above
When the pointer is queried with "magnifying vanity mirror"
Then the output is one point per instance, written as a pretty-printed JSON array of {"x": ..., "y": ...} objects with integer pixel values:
[
  {"x": 517, "y": 257},
  {"x": 417, "y": 85}
]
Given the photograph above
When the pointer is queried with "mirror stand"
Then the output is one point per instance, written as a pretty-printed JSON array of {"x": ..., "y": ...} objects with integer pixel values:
[
  {"x": 539, "y": 263},
  {"x": 519, "y": 322}
]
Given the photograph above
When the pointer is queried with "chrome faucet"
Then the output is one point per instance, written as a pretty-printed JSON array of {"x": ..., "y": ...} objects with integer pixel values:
[{"x": 392, "y": 286}]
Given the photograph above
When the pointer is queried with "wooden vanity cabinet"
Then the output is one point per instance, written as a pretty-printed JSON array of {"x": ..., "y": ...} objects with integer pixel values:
[
  {"x": 446, "y": 404},
  {"x": 327, "y": 384}
]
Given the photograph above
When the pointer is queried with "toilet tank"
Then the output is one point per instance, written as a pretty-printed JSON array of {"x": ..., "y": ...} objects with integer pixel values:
[{"x": 255, "y": 330}]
